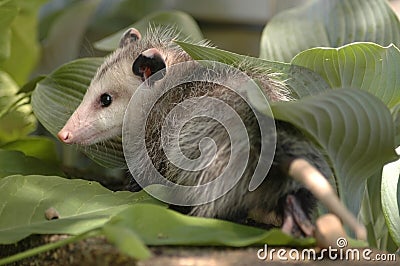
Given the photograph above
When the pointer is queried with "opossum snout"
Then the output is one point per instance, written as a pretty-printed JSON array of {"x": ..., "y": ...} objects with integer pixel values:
[{"x": 65, "y": 136}]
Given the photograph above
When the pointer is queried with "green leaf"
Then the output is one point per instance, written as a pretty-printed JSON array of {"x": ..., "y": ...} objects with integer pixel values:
[
  {"x": 31, "y": 85},
  {"x": 372, "y": 215},
  {"x": 330, "y": 24},
  {"x": 82, "y": 205},
  {"x": 126, "y": 240},
  {"x": 353, "y": 127},
  {"x": 391, "y": 199},
  {"x": 179, "y": 229},
  {"x": 8, "y": 11},
  {"x": 396, "y": 119},
  {"x": 301, "y": 81},
  {"x": 183, "y": 22},
  {"x": 65, "y": 34},
  {"x": 16, "y": 118},
  {"x": 112, "y": 16},
  {"x": 24, "y": 45},
  {"x": 15, "y": 162},
  {"x": 39, "y": 147},
  {"x": 366, "y": 66},
  {"x": 57, "y": 96}
]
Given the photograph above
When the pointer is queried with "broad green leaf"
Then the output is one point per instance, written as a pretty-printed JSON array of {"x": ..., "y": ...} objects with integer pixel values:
[
  {"x": 156, "y": 225},
  {"x": 8, "y": 11},
  {"x": 330, "y": 24},
  {"x": 375, "y": 69},
  {"x": 39, "y": 147},
  {"x": 366, "y": 66},
  {"x": 57, "y": 96},
  {"x": 353, "y": 127},
  {"x": 82, "y": 205},
  {"x": 396, "y": 119},
  {"x": 299, "y": 80},
  {"x": 126, "y": 240},
  {"x": 65, "y": 34},
  {"x": 17, "y": 123},
  {"x": 391, "y": 198},
  {"x": 16, "y": 118},
  {"x": 24, "y": 45},
  {"x": 184, "y": 23},
  {"x": 15, "y": 162},
  {"x": 372, "y": 215},
  {"x": 51, "y": 12},
  {"x": 112, "y": 16}
]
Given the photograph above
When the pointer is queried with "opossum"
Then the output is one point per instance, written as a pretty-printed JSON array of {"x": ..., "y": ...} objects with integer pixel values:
[{"x": 287, "y": 196}]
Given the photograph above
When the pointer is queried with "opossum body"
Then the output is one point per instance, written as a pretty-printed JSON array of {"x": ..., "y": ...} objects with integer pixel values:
[{"x": 278, "y": 201}]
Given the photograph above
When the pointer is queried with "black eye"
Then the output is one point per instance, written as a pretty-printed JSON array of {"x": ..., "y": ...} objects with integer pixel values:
[{"x": 105, "y": 100}]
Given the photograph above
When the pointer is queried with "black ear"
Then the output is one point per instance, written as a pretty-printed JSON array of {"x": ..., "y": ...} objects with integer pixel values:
[
  {"x": 131, "y": 35},
  {"x": 148, "y": 63}
]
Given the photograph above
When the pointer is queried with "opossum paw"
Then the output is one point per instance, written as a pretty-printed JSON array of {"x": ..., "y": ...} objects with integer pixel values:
[{"x": 295, "y": 221}]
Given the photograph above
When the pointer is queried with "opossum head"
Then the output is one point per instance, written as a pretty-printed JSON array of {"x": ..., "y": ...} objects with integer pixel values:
[{"x": 100, "y": 115}]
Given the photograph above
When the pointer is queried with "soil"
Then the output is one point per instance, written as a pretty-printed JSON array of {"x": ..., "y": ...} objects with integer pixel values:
[{"x": 97, "y": 251}]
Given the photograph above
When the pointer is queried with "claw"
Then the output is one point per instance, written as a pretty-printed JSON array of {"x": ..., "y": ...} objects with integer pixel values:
[{"x": 295, "y": 221}]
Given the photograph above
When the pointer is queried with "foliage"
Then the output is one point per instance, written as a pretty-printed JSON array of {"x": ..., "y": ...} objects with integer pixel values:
[
  {"x": 391, "y": 198},
  {"x": 125, "y": 218},
  {"x": 82, "y": 205},
  {"x": 166, "y": 18},
  {"x": 326, "y": 23},
  {"x": 347, "y": 102},
  {"x": 366, "y": 66},
  {"x": 349, "y": 116}
]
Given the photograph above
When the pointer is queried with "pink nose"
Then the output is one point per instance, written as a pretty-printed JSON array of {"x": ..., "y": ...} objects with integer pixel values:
[{"x": 64, "y": 136}]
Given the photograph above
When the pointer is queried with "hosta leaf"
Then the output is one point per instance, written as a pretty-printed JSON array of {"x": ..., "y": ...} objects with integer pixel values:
[
  {"x": 16, "y": 118},
  {"x": 183, "y": 22},
  {"x": 65, "y": 34},
  {"x": 111, "y": 16},
  {"x": 57, "y": 96},
  {"x": 331, "y": 24},
  {"x": 24, "y": 46},
  {"x": 299, "y": 80},
  {"x": 15, "y": 162},
  {"x": 354, "y": 128},
  {"x": 126, "y": 240},
  {"x": 39, "y": 147},
  {"x": 82, "y": 205},
  {"x": 179, "y": 229},
  {"x": 396, "y": 119},
  {"x": 372, "y": 215},
  {"x": 8, "y": 11},
  {"x": 391, "y": 198},
  {"x": 366, "y": 66}
]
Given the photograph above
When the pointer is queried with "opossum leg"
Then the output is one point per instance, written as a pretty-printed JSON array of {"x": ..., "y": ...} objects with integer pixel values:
[
  {"x": 295, "y": 220},
  {"x": 302, "y": 171}
]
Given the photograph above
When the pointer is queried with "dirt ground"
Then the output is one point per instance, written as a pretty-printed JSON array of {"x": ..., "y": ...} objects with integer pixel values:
[{"x": 97, "y": 251}]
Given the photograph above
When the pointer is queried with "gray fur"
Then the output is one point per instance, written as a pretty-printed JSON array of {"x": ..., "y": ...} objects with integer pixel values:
[{"x": 116, "y": 77}]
